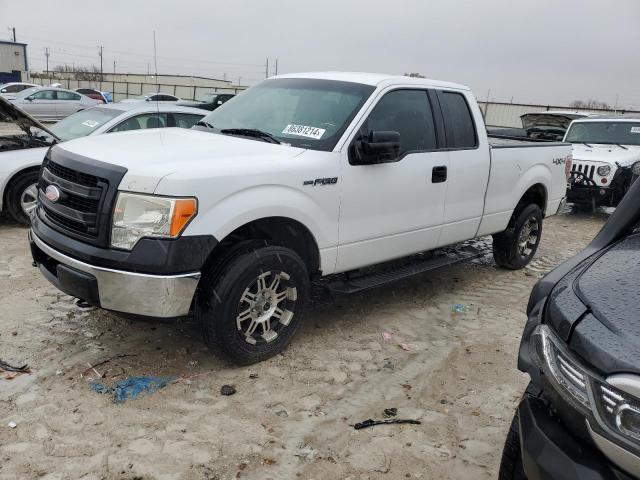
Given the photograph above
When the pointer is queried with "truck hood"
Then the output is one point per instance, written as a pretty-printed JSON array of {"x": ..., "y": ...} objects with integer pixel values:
[
  {"x": 9, "y": 112},
  {"x": 606, "y": 330},
  {"x": 604, "y": 153},
  {"x": 150, "y": 155}
]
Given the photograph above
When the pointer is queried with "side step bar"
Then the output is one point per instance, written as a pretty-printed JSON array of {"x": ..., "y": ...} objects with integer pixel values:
[{"x": 393, "y": 271}]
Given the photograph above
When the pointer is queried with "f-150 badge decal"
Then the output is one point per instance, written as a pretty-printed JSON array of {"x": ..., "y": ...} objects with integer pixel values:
[{"x": 321, "y": 181}]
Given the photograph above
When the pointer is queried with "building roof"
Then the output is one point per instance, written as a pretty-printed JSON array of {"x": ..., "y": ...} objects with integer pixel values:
[{"x": 6, "y": 42}]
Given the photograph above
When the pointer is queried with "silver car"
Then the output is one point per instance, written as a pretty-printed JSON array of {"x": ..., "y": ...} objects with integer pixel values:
[
  {"x": 46, "y": 103},
  {"x": 21, "y": 155},
  {"x": 152, "y": 97},
  {"x": 11, "y": 89}
]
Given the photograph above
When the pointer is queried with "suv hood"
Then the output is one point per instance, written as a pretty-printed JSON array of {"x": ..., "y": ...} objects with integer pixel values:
[
  {"x": 11, "y": 113},
  {"x": 150, "y": 155},
  {"x": 605, "y": 153},
  {"x": 602, "y": 305}
]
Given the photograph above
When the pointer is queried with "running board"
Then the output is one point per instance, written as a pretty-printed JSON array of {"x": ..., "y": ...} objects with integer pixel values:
[{"x": 408, "y": 268}]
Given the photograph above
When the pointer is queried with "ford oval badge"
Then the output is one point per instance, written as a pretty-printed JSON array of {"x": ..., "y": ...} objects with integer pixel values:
[{"x": 52, "y": 193}]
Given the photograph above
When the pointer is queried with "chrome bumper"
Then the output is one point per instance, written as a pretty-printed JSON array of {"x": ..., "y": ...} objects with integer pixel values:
[{"x": 162, "y": 296}]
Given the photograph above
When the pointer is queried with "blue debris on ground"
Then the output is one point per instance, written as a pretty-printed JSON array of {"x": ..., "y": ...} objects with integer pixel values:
[{"x": 132, "y": 387}]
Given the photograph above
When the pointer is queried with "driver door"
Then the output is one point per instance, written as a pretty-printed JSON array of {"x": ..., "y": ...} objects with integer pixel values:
[
  {"x": 390, "y": 210},
  {"x": 42, "y": 104}
]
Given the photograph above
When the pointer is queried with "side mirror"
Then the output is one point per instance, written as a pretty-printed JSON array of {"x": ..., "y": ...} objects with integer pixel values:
[
  {"x": 30, "y": 99},
  {"x": 378, "y": 147}
]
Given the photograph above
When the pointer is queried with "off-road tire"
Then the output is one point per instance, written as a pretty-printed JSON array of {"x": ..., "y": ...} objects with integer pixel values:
[
  {"x": 14, "y": 194},
  {"x": 223, "y": 286},
  {"x": 506, "y": 245},
  {"x": 511, "y": 463}
]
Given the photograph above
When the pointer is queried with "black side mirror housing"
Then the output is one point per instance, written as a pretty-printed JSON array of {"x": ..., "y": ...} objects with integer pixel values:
[{"x": 380, "y": 146}]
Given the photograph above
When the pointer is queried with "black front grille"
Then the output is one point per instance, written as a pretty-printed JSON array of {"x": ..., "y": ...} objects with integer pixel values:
[
  {"x": 73, "y": 175},
  {"x": 87, "y": 191}
]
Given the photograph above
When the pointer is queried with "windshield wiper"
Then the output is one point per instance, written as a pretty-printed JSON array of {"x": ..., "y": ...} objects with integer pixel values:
[
  {"x": 622, "y": 146},
  {"x": 250, "y": 132},
  {"x": 585, "y": 143},
  {"x": 202, "y": 123}
]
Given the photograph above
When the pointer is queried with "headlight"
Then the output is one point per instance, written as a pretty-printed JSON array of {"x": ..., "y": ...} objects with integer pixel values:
[
  {"x": 604, "y": 170},
  {"x": 619, "y": 410},
  {"x": 137, "y": 216},
  {"x": 570, "y": 379},
  {"x": 636, "y": 169}
]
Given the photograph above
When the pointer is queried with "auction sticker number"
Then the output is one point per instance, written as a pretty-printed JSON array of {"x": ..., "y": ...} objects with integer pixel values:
[{"x": 304, "y": 131}]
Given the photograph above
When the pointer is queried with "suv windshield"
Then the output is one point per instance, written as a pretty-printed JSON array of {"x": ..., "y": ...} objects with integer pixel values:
[
  {"x": 621, "y": 133},
  {"x": 83, "y": 123},
  {"x": 306, "y": 113}
]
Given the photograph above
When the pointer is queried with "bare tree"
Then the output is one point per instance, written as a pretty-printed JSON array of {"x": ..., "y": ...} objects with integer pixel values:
[{"x": 592, "y": 104}]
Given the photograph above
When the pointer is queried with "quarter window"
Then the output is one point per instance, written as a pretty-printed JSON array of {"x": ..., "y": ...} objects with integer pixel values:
[
  {"x": 407, "y": 112},
  {"x": 459, "y": 124}
]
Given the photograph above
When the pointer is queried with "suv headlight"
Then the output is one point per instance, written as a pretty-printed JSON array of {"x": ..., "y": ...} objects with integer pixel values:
[
  {"x": 137, "y": 216},
  {"x": 604, "y": 170},
  {"x": 635, "y": 169},
  {"x": 618, "y": 410},
  {"x": 569, "y": 377}
]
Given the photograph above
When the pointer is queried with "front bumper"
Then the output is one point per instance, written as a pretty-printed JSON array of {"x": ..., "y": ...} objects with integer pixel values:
[
  {"x": 550, "y": 452},
  {"x": 162, "y": 296},
  {"x": 588, "y": 193}
]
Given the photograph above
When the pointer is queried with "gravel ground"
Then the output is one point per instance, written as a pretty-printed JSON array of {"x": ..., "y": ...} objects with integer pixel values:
[{"x": 291, "y": 416}]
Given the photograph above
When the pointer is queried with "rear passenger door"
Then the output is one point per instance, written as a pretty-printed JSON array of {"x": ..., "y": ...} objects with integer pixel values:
[
  {"x": 469, "y": 166},
  {"x": 67, "y": 103},
  {"x": 389, "y": 210}
]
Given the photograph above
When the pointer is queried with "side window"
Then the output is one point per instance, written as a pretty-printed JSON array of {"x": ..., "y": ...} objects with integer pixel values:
[
  {"x": 13, "y": 88},
  {"x": 62, "y": 95},
  {"x": 407, "y": 112},
  {"x": 139, "y": 122},
  {"x": 44, "y": 95},
  {"x": 458, "y": 121},
  {"x": 185, "y": 120}
]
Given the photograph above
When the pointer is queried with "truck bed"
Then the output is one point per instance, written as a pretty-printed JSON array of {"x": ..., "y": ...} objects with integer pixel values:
[{"x": 504, "y": 141}]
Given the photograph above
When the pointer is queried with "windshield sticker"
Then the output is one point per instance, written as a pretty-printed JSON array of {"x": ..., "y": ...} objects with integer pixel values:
[
  {"x": 304, "y": 131},
  {"x": 635, "y": 129},
  {"x": 90, "y": 123}
]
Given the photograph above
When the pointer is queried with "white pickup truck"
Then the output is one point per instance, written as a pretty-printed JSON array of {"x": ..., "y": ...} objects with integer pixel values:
[{"x": 300, "y": 177}]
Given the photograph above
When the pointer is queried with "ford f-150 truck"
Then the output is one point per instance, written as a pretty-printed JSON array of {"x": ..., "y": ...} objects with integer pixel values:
[{"x": 300, "y": 177}]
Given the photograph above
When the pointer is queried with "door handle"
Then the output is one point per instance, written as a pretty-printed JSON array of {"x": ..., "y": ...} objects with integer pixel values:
[{"x": 439, "y": 174}]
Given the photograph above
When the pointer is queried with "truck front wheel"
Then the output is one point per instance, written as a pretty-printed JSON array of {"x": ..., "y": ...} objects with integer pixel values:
[
  {"x": 22, "y": 195},
  {"x": 251, "y": 302},
  {"x": 515, "y": 247}
]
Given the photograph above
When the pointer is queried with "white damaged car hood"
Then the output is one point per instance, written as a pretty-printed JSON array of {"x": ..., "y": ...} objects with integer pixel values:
[
  {"x": 610, "y": 154},
  {"x": 150, "y": 155}
]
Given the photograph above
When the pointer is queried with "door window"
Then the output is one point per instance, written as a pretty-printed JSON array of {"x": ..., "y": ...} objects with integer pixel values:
[
  {"x": 186, "y": 120},
  {"x": 147, "y": 120},
  {"x": 407, "y": 112},
  {"x": 458, "y": 121},
  {"x": 62, "y": 95},
  {"x": 44, "y": 95}
]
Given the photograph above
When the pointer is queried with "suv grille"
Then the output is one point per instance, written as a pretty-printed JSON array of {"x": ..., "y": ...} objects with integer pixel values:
[
  {"x": 78, "y": 208},
  {"x": 585, "y": 169}
]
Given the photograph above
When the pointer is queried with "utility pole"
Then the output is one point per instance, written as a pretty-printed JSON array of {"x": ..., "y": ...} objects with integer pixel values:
[
  {"x": 266, "y": 70},
  {"x": 46, "y": 54},
  {"x": 100, "y": 48},
  {"x": 14, "y": 34},
  {"x": 224, "y": 77},
  {"x": 276, "y": 66}
]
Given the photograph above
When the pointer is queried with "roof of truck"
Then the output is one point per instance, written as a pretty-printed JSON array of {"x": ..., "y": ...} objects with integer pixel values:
[
  {"x": 613, "y": 118},
  {"x": 374, "y": 79}
]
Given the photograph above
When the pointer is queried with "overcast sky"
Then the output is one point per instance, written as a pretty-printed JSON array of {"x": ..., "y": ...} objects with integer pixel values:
[{"x": 539, "y": 51}]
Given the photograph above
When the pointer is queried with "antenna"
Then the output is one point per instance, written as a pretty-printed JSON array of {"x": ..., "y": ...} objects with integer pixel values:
[{"x": 155, "y": 63}]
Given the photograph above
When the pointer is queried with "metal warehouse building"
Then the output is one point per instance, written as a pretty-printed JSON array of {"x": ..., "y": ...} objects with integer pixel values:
[{"x": 13, "y": 61}]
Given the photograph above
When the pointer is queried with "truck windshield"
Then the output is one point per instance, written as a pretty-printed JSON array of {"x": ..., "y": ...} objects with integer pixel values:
[
  {"x": 306, "y": 113},
  {"x": 612, "y": 133},
  {"x": 83, "y": 123}
]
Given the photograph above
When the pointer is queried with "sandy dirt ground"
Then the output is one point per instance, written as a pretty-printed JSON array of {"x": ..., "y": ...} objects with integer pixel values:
[{"x": 291, "y": 416}]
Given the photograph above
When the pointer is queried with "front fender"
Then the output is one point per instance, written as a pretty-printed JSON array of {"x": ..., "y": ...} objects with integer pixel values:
[
  {"x": 15, "y": 161},
  {"x": 263, "y": 201}
]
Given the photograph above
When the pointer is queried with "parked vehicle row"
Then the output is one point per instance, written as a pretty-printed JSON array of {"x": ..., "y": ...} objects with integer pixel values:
[
  {"x": 301, "y": 176},
  {"x": 22, "y": 155}
]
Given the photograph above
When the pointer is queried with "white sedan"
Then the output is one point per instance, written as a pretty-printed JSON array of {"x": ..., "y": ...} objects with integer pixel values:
[
  {"x": 47, "y": 103},
  {"x": 21, "y": 155}
]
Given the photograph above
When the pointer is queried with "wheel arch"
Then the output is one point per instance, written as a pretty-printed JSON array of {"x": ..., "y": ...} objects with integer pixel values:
[
  {"x": 7, "y": 185},
  {"x": 536, "y": 194},
  {"x": 282, "y": 231}
]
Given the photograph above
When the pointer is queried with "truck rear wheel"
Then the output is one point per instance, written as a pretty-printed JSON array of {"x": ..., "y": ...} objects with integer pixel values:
[
  {"x": 515, "y": 247},
  {"x": 252, "y": 301},
  {"x": 21, "y": 197}
]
